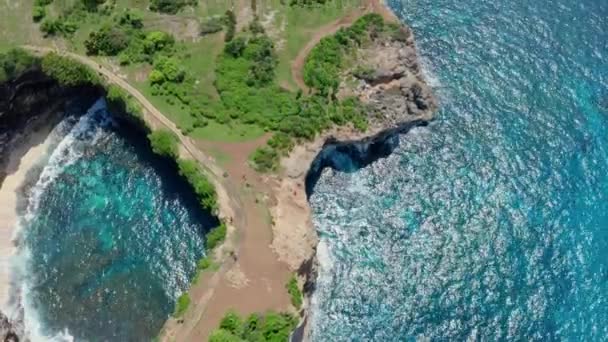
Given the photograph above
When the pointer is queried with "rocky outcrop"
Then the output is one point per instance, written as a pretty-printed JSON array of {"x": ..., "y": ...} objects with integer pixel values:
[
  {"x": 393, "y": 86},
  {"x": 9, "y": 331},
  {"x": 388, "y": 80}
]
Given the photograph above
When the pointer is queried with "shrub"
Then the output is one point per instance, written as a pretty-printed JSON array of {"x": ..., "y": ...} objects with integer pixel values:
[
  {"x": 182, "y": 304},
  {"x": 203, "y": 188},
  {"x": 156, "y": 77},
  {"x": 38, "y": 13},
  {"x": 164, "y": 143},
  {"x": 265, "y": 159},
  {"x": 272, "y": 327},
  {"x": 232, "y": 323},
  {"x": 131, "y": 18},
  {"x": 216, "y": 236},
  {"x": 15, "y": 62},
  {"x": 221, "y": 335},
  {"x": 204, "y": 263},
  {"x": 235, "y": 47},
  {"x": 67, "y": 71},
  {"x": 230, "y": 22},
  {"x": 170, "y": 69},
  {"x": 51, "y": 27},
  {"x": 158, "y": 41},
  {"x": 211, "y": 26},
  {"x": 170, "y": 6},
  {"x": 294, "y": 291},
  {"x": 325, "y": 61},
  {"x": 108, "y": 41}
]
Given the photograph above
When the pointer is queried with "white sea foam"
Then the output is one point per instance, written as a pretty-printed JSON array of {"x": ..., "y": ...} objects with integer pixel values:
[
  {"x": 66, "y": 153},
  {"x": 428, "y": 73}
]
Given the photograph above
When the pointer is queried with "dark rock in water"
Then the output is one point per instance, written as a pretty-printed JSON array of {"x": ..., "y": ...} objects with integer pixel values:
[{"x": 8, "y": 332}]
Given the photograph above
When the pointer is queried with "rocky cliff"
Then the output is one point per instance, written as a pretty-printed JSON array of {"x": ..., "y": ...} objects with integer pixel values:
[
  {"x": 30, "y": 98},
  {"x": 387, "y": 77}
]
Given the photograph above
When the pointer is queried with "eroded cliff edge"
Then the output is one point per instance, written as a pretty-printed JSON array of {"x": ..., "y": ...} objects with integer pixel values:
[{"x": 388, "y": 79}]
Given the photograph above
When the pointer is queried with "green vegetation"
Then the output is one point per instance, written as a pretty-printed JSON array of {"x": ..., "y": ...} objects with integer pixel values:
[
  {"x": 170, "y": 6},
  {"x": 182, "y": 304},
  {"x": 204, "y": 263},
  {"x": 124, "y": 36},
  {"x": 203, "y": 188},
  {"x": 294, "y": 291},
  {"x": 164, "y": 143},
  {"x": 122, "y": 102},
  {"x": 210, "y": 26},
  {"x": 67, "y": 71},
  {"x": 230, "y": 22},
  {"x": 14, "y": 62},
  {"x": 270, "y": 327},
  {"x": 309, "y": 2},
  {"x": 38, "y": 13},
  {"x": 216, "y": 236},
  {"x": 326, "y": 60}
]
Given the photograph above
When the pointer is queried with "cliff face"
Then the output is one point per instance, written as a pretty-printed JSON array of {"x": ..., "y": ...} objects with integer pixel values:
[
  {"x": 388, "y": 79},
  {"x": 30, "y": 98}
]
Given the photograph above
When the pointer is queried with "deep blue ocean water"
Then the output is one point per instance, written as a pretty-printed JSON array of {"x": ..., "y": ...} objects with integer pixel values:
[
  {"x": 491, "y": 223},
  {"x": 110, "y": 233}
]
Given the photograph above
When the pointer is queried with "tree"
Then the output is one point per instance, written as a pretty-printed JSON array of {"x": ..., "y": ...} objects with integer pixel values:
[
  {"x": 157, "y": 41},
  {"x": 230, "y": 22},
  {"x": 131, "y": 18},
  {"x": 170, "y": 69},
  {"x": 156, "y": 77},
  {"x": 107, "y": 41},
  {"x": 235, "y": 47}
]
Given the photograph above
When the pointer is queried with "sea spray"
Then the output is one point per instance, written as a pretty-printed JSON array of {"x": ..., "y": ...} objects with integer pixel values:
[{"x": 65, "y": 152}]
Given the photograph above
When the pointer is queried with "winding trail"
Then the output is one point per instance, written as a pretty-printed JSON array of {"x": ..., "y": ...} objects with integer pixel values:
[{"x": 370, "y": 6}]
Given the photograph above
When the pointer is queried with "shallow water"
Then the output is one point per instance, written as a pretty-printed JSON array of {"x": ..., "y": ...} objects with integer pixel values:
[
  {"x": 491, "y": 223},
  {"x": 110, "y": 234}
]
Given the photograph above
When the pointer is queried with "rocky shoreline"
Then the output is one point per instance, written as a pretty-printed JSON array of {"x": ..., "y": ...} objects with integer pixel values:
[{"x": 397, "y": 97}]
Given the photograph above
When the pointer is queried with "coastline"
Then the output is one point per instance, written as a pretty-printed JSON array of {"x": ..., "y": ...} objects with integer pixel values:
[
  {"x": 291, "y": 239},
  {"x": 295, "y": 238},
  {"x": 31, "y": 149}
]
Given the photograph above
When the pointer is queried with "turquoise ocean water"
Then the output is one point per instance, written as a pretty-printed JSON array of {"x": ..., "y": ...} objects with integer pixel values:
[
  {"x": 492, "y": 222},
  {"x": 110, "y": 235}
]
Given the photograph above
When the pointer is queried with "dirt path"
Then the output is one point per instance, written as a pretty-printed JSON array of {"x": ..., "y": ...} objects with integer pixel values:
[{"x": 370, "y": 6}]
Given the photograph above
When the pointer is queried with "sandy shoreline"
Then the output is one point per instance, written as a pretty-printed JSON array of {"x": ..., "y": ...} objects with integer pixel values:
[{"x": 31, "y": 150}]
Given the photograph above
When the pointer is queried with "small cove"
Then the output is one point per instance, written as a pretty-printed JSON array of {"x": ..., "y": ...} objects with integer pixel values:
[{"x": 109, "y": 233}]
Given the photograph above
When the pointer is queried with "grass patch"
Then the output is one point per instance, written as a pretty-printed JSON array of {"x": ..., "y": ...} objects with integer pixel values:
[
  {"x": 229, "y": 132},
  {"x": 215, "y": 236},
  {"x": 294, "y": 292},
  {"x": 182, "y": 304}
]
